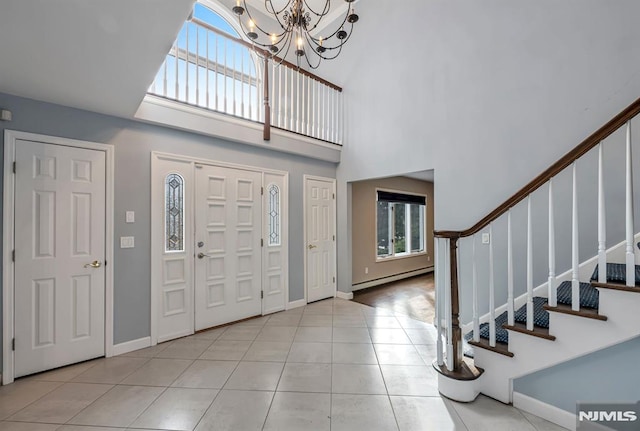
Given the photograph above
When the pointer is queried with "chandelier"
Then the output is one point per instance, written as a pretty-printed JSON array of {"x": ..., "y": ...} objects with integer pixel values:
[{"x": 299, "y": 24}]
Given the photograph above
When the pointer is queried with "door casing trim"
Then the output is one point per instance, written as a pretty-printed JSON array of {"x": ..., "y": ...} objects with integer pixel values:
[{"x": 8, "y": 227}]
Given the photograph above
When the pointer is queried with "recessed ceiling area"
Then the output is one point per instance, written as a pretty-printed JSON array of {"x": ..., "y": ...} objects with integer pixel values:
[
  {"x": 95, "y": 55},
  {"x": 421, "y": 175}
]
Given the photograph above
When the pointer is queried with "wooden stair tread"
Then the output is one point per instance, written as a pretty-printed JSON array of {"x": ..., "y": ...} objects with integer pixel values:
[
  {"x": 467, "y": 371},
  {"x": 616, "y": 286},
  {"x": 500, "y": 348},
  {"x": 538, "y": 331},
  {"x": 590, "y": 313}
]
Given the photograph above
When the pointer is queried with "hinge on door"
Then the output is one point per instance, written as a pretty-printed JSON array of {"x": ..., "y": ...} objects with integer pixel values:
[
  {"x": 261, "y": 190},
  {"x": 13, "y": 344},
  {"x": 14, "y": 167},
  {"x": 262, "y": 294},
  {"x": 13, "y": 255},
  {"x": 334, "y": 195},
  {"x": 261, "y": 242},
  {"x": 334, "y": 279},
  {"x": 334, "y": 237}
]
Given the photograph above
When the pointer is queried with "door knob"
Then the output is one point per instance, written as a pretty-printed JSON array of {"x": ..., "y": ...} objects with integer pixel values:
[
  {"x": 94, "y": 264},
  {"x": 202, "y": 255},
  {"x": 311, "y": 246}
]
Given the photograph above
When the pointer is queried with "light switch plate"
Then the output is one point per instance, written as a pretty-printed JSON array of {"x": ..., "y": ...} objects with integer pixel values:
[
  {"x": 130, "y": 217},
  {"x": 486, "y": 238},
  {"x": 127, "y": 242}
]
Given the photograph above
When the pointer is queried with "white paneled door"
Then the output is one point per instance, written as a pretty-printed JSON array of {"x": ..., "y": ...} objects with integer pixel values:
[
  {"x": 320, "y": 213},
  {"x": 59, "y": 259},
  {"x": 228, "y": 266}
]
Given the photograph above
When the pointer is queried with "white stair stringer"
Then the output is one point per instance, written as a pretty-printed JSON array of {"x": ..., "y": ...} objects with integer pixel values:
[{"x": 575, "y": 336}]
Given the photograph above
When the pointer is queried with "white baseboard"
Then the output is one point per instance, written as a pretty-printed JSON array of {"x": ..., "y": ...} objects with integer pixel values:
[
  {"x": 391, "y": 278},
  {"x": 546, "y": 411},
  {"x": 296, "y": 304},
  {"x": 344, "y": 295},
  {"x": 130, "y": 346}
]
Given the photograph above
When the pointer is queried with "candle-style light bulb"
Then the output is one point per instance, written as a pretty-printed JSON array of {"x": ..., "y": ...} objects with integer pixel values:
[
  {"x": 300, "y": 42},
  {"x": 237, "y": 2},
  {"x": 320, "y": 40},
  {"x": 273, "y": 38},
  {"x": 251, "y": 25}
]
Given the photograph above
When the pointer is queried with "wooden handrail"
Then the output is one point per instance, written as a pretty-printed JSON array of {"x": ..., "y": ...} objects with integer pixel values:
[
  {"x": 266, "y": 53},
  {"x": 602, "y": 133}
]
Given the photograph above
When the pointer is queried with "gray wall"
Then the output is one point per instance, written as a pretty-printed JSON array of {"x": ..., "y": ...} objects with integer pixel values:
[
  {"x": 133, "y": 142},
  {"x": 609, "y": 375}
]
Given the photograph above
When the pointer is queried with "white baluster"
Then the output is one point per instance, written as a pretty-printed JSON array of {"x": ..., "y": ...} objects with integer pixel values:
[
  {"x": 177, "y": 85},
  {"x": 510, "y": 304},
  {"x": 242, "y": 75},
  {"x": 630, "y": 257},
  {"x": 224, "y": 59},
  {"x": 575, "y": 250},
  {"x": 186, "y": 66},
  {"x": 233, "y": 79},
  {"x": 280, "y": 103},
  {"x": 602, "y": 223},
  {"x": 293, "y": 100},
  {"x": 447, "y": 310},
  {"x": 207, "y": 65},
  {"x": 164, "y": 84},
  {"x": 492, "y": 293},
  {"x": 529, "y": 266},
  {"x": 552, "y": 285},
  {"x": 476, "y": 316},
  {"x": 197, "y": 65},
  {"x": 298, "y": 105},
  {"x": 439, "y": 301},
  {"x": 216, "y": 92}
]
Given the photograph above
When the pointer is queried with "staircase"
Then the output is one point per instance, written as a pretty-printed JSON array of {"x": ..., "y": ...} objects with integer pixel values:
[{"x": 593, "y": 305}]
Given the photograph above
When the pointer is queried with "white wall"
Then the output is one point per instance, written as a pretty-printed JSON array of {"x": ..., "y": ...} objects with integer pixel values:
[{"x": 488, "y": 93}]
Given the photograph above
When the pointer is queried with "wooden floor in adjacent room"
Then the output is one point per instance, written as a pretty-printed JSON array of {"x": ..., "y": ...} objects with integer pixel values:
[{"x": 414, "y": 297}]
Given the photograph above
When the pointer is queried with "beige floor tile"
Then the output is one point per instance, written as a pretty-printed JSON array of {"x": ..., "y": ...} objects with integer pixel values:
[
  {"x": 316, "y": 320},
  {"x": 299, "y": 411},
  {"x": 398, "y": 354},
  {"x": 88, "y": 428},
  {"x": 357, "y": 379},
  {"x": 268, "y": 351},
  {"x": 61, "y": 404},
  {"x": 389, "y": 336},
  {"x": 241, "y": 333},
  {"x": 351, "y": 335},
  {"x": 282, "y": 319},
  {"x": 119, "y": 407},
  {"x": 226, "y": 350},
  {"x": 485, "y": 414},
  {"x": 148, "y": 352},
  {"x": 255, "y": 376},
  {"x": 157, "y": 372},
  {"x": 211, "y": 334},
  {"x": 64, "y": 374},
  {"x": 21, "y": 393},
  {"x": 256, "y": 321},
  {"x": 361, "y": 412},
  {"x": 111, "y": 370},
  {"x": 541, "y": 424},
  {"x": 352, "y": 353},
  {"x": 425, "y": 414},
  {"x": 314, "y": 334},
  {"x": 176, "y": 409},
  {"x": 277, "y": 333},
  {"x": 427, "y": 352},
  {"x": 305, "y": 378},
  {"x": 310, "y": 352},
  {"x": 382, "y": 322},
  {"x": 27, "y": 426},
  {"x": 421, "y": 336},
  {"x": 206, "y": 374},
  {"x": 237, "y": 410},
  {"x": 185, "y": 348},
  {"x": 410, "y": 380},
  {"x": 349, "y": 321}
]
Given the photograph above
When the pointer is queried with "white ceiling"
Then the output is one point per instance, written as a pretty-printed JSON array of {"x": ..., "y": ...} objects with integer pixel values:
[
  {"x": 95, "y": 55},
  {"x": 422, "y": 175}
]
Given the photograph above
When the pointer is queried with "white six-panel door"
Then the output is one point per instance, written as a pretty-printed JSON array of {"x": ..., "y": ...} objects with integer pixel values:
[
  {"x": 60, "y": 252},
  {"x": 228, "y": 231},
  {"x": 320, "y": 213}
]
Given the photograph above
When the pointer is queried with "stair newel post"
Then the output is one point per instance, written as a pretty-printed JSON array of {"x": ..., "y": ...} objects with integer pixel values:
[
  {"x": 456, "y": 332},
  {"x": 266, "y": 134},
  {"x": 553, "y": 288},
  {"x": 492, "y": 293},
  {"x": 439, "y": 295},
  {"x": 630, "y": 257},
  {"x": 510, "y": 303},
  {"x": 476, "y": 317},
  {"x": 529, "y": 266},
  {"x": 602, "y": 223},
  {"x": 575, "y": 250}
]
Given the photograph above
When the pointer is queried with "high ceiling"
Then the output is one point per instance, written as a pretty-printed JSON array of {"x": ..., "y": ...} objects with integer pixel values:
[{"x": 95, "y": 55}]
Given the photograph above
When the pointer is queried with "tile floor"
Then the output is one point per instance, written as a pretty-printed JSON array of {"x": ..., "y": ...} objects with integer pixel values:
[{"x": 332, "y": 365}]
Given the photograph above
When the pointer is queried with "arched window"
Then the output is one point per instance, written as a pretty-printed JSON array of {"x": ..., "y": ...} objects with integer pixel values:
[
  {"x": 273, "y": 195},
  {"x": 174, "y": 212},
  {"x": 209, "y": 68}
]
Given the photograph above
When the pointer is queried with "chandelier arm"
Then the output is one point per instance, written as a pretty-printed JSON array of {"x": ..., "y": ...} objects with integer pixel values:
[
  {"x": 255, "y": 24},
  {"x": 346, "y": 16},
  {"x": 327, "y": 8},
  {"x": 273, "y": 9},
  {"x": 327, "y": 57}
]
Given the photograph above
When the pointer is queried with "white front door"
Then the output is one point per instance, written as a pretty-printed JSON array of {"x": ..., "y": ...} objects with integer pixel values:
[
  {"x": 228, "y": 264},
  {"x": 320, "y": 213},
  {"x": 59, "y": 259}
]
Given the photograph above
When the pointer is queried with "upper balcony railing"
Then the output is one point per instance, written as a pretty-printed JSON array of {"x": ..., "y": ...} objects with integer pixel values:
[{"x": 211, "y": 69}]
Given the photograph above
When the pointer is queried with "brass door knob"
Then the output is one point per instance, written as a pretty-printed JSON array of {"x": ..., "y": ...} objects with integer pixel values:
[{"x": 94, "y": 264}]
